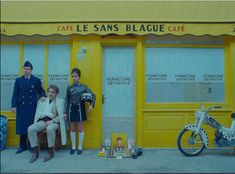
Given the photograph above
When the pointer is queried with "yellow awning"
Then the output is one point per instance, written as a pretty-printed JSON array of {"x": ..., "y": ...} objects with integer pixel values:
[
  {"x": 117, "y": 17},
  {"x": 117, "y": 11}
]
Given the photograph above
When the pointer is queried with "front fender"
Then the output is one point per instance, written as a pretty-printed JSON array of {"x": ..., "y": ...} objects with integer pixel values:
[{"x": 202, "y": 132}]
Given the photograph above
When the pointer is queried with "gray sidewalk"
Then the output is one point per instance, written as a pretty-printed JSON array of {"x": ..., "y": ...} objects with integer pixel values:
[{"x": 152, "y": 161}]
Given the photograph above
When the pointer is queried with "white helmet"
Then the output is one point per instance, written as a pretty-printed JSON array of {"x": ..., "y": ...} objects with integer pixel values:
[{"x": 86, "y": 97}]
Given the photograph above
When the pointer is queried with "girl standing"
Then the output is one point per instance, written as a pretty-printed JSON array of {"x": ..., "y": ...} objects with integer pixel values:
[{"x": 75, "y": 109}]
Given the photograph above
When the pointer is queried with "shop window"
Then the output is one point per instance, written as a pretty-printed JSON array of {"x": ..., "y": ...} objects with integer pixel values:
[
  {"x": 185, "y": 75},
  {"x": 10, "y": 61},
  {"x": 58, "y": 67},
  {"x": 59, "y": 63}
]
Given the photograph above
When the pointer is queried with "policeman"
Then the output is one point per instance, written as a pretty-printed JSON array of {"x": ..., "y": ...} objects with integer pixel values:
[{"x": 27, "y": 91}]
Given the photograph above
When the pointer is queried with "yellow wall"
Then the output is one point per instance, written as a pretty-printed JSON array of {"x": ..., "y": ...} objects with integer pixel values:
[
  {"x": 231, "y": 45},
  {"x": 157, "y": 125},
  {"x": 161, "y": 127}
]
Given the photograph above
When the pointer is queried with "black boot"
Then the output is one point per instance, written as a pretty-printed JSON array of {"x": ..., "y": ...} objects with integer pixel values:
[
  {"x": 50, "y": 154},
  {"x": 35, "y": 154}
]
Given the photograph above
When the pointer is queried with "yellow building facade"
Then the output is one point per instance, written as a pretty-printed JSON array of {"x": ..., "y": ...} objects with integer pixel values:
[{"x": 151, "y": 64}]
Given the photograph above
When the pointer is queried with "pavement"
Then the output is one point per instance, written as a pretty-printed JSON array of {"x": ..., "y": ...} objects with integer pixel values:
[{"x": 151, "y": 161}]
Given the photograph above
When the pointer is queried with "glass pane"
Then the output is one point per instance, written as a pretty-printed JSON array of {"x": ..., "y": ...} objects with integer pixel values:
[
  {"x": 185, "y": 74},
  {"x": 10, "y": 60},
  {"x": 35, "y": 54},
  {"x": 58, "y": 66},
  {"x": 119, "y": 81}
]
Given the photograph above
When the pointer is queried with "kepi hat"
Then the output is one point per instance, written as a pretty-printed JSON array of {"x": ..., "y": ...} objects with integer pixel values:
[{"x": 28, "y": 64}]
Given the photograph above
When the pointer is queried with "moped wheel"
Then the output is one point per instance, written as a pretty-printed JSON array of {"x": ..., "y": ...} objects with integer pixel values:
[{"x": 189, "y": 143}]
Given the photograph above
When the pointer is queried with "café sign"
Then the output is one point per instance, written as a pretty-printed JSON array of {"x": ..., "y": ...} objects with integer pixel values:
[{"x": 44, "y": 29}]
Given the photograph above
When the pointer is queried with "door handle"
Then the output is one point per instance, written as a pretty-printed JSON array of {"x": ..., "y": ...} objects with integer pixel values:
[{"x": 103, "y": 98}]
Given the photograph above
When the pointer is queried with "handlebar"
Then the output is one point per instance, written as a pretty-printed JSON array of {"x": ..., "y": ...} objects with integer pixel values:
[
  {"x": 210, "y": 108},
  {"x": 218, "y": 107}
]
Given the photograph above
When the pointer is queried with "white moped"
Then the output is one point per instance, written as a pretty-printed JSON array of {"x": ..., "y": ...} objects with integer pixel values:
[{"x": 193, "y": 139}]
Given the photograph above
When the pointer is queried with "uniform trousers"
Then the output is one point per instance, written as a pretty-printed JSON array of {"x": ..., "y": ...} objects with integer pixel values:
[
  {"x": 24, "y": 142},
  {"x": 40, "y": 126}
]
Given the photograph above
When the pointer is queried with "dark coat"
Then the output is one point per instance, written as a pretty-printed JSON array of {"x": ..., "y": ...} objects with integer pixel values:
[{"x": 25, "y": 96}]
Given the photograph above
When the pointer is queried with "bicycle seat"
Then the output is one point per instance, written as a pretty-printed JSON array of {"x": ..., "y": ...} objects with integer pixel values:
[{"x": 233, "y": 115}]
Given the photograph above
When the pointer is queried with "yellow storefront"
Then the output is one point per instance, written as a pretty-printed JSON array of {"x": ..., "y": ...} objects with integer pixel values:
[{"x": 150, "y": 64}]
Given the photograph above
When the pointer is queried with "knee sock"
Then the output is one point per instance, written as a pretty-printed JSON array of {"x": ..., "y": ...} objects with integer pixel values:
[
  {"x": 73, "y": 139},
  {"x": 81, "y": 139}
]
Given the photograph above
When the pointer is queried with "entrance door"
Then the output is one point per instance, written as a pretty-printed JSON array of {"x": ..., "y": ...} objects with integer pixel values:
[{"x": 118, "y": 91}]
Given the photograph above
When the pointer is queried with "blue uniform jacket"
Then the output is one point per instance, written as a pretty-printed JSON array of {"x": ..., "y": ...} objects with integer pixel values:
[{"x": 25, "y": 96}]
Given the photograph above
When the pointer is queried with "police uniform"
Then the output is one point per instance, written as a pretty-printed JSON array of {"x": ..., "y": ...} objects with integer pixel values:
[
  {"x": 26, "y": 93},
  {"x": 74, "y": 106}
]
